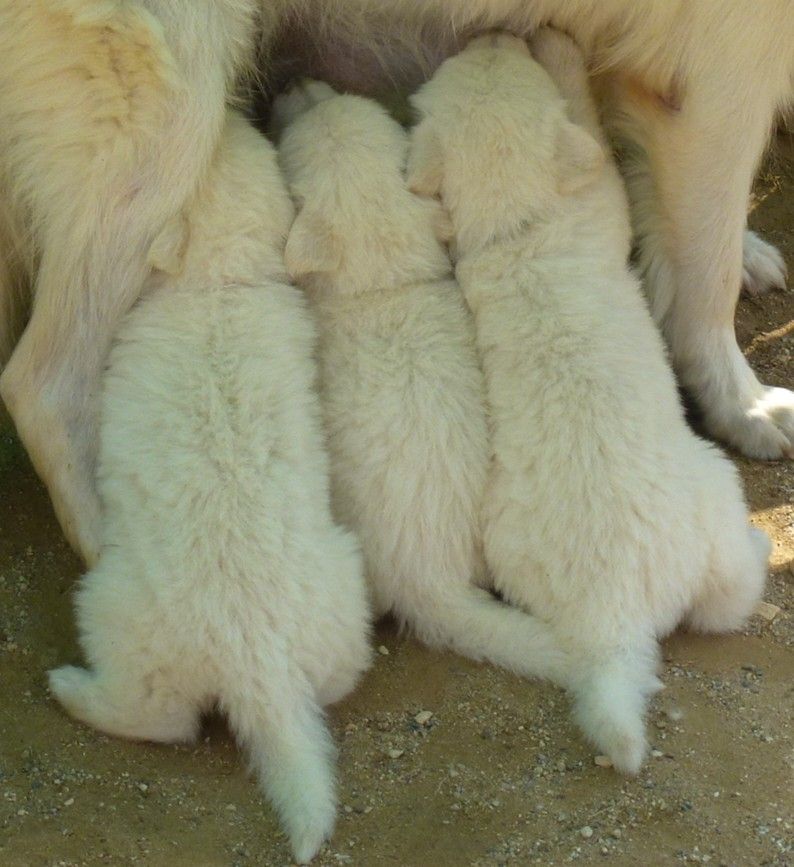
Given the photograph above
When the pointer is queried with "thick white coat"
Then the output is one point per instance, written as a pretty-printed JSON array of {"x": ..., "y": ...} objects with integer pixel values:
[
  {"x": 401, "y": 386},
  {"x": 604, "y": 514},
  {"x": 222, "y": 577}
]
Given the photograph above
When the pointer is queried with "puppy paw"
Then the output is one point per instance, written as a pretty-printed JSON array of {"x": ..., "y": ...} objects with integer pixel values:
[
  {"x": 763, "y": 266},
  {"x": 70, "y": 684}
]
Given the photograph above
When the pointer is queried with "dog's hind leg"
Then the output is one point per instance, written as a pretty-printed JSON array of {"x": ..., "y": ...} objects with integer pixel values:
[
  {"x": 689, "y": 182},
  {"x": 110, "y": 117},
  {"x": 123, "y": 707}
]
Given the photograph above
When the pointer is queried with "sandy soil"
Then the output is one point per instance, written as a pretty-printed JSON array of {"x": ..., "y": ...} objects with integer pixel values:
[{"x": 498, "y": 774}]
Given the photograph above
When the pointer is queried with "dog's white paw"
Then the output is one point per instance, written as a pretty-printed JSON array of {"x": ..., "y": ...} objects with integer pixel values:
[
  {"x": 69, "y": 684},
  {"x": 765, "y": 429},
  {"x": 763, "y": 266}
]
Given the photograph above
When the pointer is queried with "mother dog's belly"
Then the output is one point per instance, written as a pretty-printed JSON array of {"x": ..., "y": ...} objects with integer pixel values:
[{"x": 374, "y": 47}]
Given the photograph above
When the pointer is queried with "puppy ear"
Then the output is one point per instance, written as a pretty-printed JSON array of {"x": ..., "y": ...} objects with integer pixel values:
[
  {"x": 442, "y": 223},
  {"x": 580, "y": 158},
  {"x": 312, "y": 246},
  {"x": 425, "y": 162}
]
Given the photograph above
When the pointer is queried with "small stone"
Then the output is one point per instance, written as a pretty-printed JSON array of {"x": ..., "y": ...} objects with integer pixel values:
[
  {"x": 616, "y": 833},
  {"x": 68, "y": 802},
  {"x": 767, "y": 610},
  {"x": 395, "y": 754},
  {"x": 586, "y": 832},
  {"x": 423, "y": 717},
  {"x": 657, "y": 754},
  {"x": 383, "y": 650},
  {"x": 143, "y": 788},
  {"x": 602, "y": 761}
]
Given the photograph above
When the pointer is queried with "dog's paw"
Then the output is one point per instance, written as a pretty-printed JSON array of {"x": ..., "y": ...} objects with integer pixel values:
[
  {"x": 763, "y": 266},
  {"x": 69, "y": 684},
  {"x": 765, "y": 429}
]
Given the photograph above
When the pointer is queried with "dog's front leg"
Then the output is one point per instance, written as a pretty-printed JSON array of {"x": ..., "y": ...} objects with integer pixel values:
[
  {"x": 689, "y": 171},
  {"x": 109, "y": 120}
]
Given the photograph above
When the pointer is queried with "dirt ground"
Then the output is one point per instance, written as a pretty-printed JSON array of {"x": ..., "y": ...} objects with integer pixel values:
[{"x": 497, "y": 775}]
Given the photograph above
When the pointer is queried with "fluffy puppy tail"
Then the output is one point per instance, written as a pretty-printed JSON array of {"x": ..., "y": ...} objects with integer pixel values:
[
  {"x": 611, "y": 692},
  {"x": 275, "y": 716},
  {"x": 474, "y": 623}
]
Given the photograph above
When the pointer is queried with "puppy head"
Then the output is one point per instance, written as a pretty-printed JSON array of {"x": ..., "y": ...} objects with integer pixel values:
[
  {"x": 358, "y": 227},
  {"x": 494, "y": 142},
  {"x": 295, "y": 100}
]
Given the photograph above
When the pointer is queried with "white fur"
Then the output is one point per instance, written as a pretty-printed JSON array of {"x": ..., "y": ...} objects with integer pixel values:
[
  {"x": 402, "y": 390},
  {"x": 604, "y": 514},
  {"x": 222, "y": 577},
  {"x": 110, "y": 111}
]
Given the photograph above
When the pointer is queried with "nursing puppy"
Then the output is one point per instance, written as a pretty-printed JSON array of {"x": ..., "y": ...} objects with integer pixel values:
[
  {"x": 400, "y": 382},
  {"x": 222, "y": 577},
  {"x": 604, "y": 514},
  {"x": 110, "y": 112}
]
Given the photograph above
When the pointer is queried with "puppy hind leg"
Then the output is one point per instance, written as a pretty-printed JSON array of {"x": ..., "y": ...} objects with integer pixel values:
[{"x": 123, "y": 709}]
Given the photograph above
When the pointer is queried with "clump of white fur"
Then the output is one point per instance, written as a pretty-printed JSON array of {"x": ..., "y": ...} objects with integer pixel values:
[
  {"x": 604, "y": 514},
  {"x": 401, "y": 386},
  {"x": 222, "y": 577}
]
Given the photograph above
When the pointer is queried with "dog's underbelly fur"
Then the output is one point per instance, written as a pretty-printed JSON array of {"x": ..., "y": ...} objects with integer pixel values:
[{"x": 372, "y": 48}]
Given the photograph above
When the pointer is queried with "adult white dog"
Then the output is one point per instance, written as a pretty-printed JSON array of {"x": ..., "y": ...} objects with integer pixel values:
[
  {"x": 110, "y": 111},
  {"x": 604, "y": 514},
  {"x": 222, "y": 577}
]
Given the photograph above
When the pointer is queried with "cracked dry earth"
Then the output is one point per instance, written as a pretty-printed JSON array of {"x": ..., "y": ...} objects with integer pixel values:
[{"x": 442, "y": 762}]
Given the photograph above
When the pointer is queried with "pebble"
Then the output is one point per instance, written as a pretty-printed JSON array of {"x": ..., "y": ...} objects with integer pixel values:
[
  {"x": 602, "y": 761},
  {"x": 383, "y": 650},
  {"x": 423, "y": 717},
  {"x": 767, "y": 610},
  {"x": 586, "y": 832},
  {"x": 395, "y": 754}
]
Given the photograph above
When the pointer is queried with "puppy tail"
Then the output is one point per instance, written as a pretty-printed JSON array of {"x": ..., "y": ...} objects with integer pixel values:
[
  {"x": 474, "y": 623},
  {"x": 610, "y": 693},
  {"x": 276, "y": 717}
]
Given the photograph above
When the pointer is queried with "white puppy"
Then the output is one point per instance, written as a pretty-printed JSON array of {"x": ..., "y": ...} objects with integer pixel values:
[
  {"x": 402, "y": 390},
  {"x": 222, "y": 577},
  {"x": 604, "y": 514}
]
